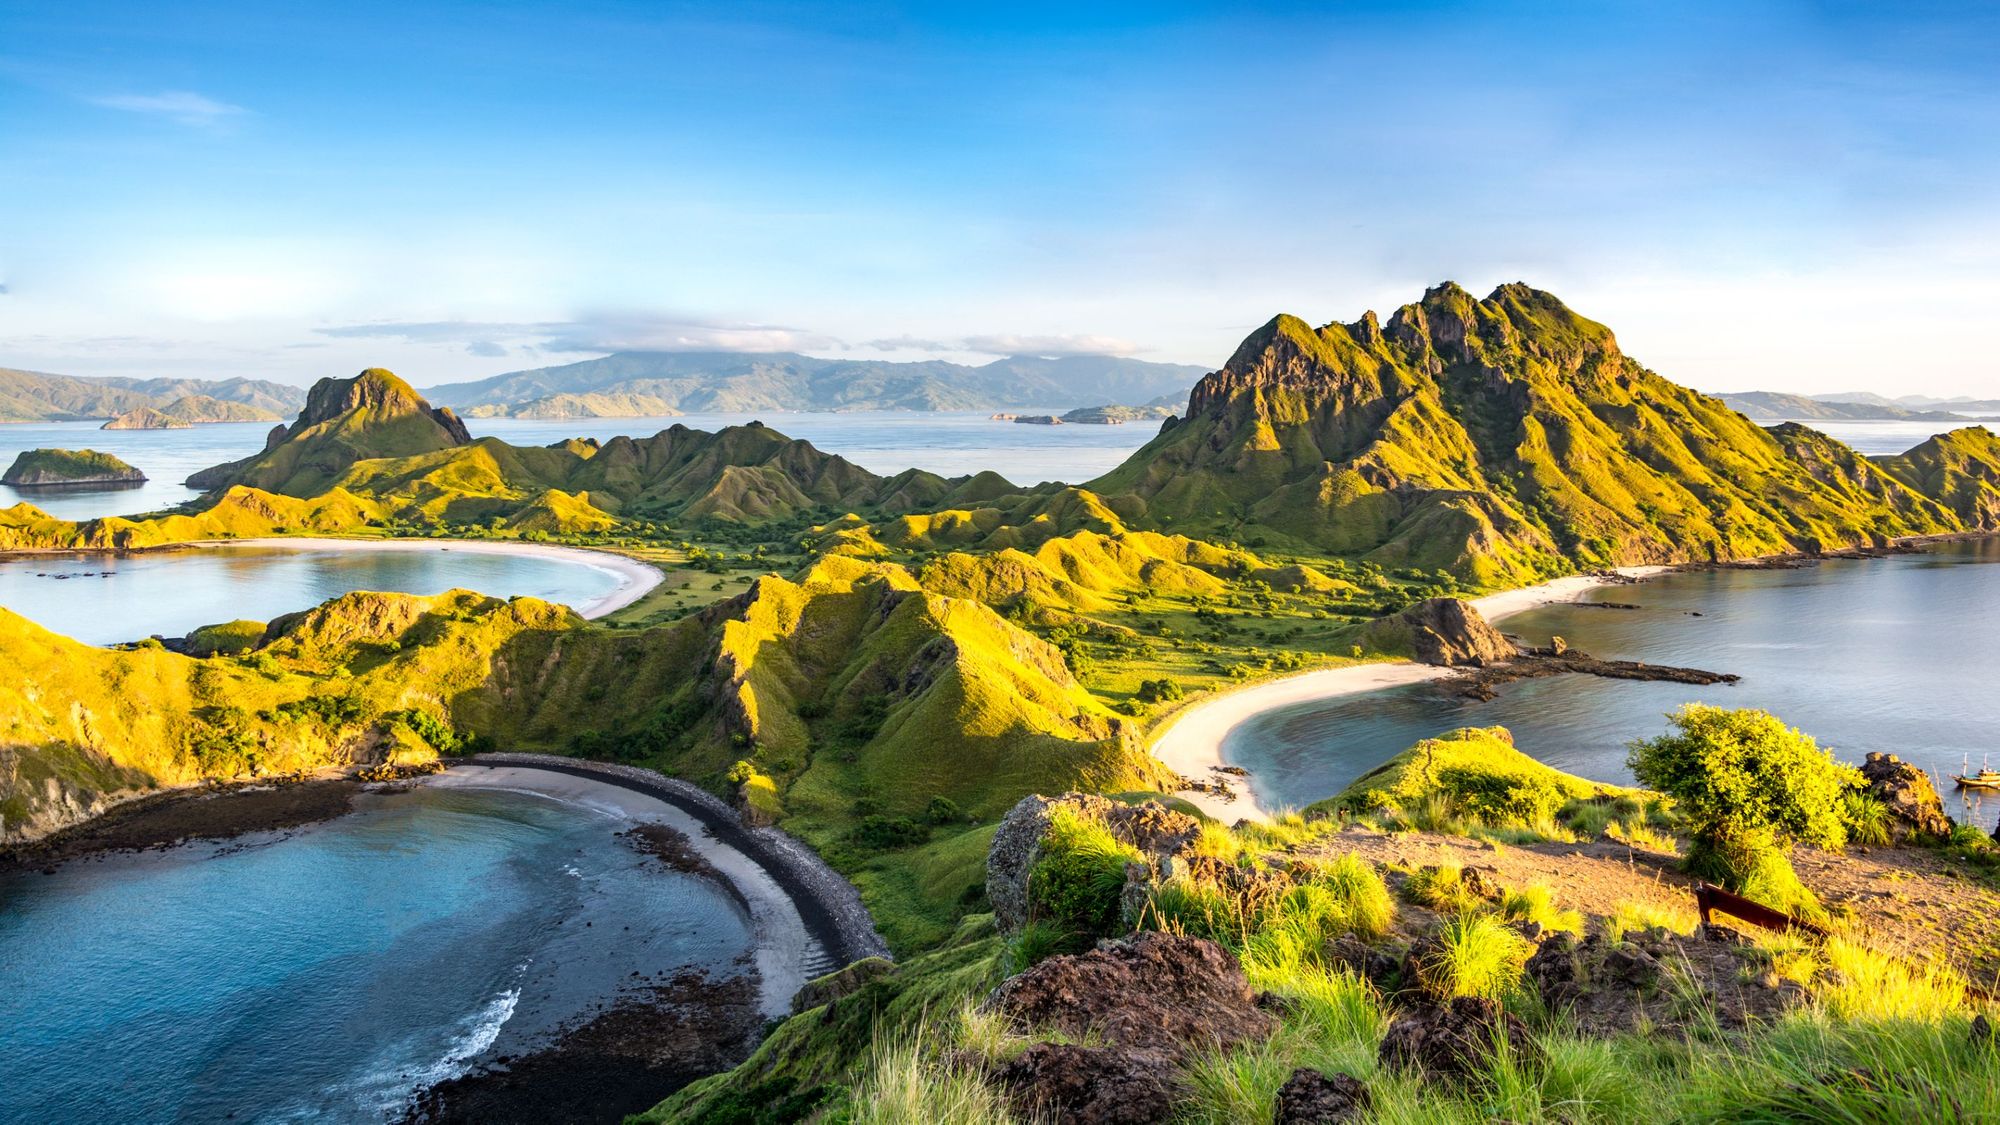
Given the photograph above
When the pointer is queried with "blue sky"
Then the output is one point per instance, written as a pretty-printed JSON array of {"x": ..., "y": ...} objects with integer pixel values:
[{"x": 1798, "y": 196}]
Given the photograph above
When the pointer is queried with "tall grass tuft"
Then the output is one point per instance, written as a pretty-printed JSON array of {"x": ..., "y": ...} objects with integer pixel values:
[
  {"x": 905, "y": 1084},
  {"x": 1866, "y": 985},
  {"x": 1536, "y": 903},
  {"x": 1472, "y": 954}
]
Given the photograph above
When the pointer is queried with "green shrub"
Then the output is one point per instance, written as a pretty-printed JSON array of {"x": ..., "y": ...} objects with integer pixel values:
[
  {"x": 1078, "y": 878},
  {"x": 943, "y": 810},
  {"x": 1747, "y": 786},
  {"x": 886, "y": 832}
]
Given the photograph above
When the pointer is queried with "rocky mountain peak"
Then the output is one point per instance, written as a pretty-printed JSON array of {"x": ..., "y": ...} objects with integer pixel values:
[{"x": 381, "y": 395}]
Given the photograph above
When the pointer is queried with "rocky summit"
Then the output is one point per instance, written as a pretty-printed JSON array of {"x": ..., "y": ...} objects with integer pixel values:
[{"x": 1494, "y": 438}]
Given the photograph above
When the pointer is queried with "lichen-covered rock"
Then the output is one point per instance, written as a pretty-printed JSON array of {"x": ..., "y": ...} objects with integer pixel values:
[
  {"x": 1160, "y": 834},
  {"x": 840, "y": 982},
  {"x": 1091, "y": 1085},
  {"x": 1311, "y": 1098},
  {"x": 1151, "y": 991},
  {"x": 1454, "y": 1041},
  {"x": 1907, "y": 792}
]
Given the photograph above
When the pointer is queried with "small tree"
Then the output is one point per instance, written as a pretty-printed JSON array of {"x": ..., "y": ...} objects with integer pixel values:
[{"x": 1748, "y": 786}]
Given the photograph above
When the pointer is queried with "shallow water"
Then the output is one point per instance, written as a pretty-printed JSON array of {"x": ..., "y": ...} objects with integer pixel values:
[
  {"x": 327, "y": 974},
  {"x": 1894, "y": 655},
  {"x": 104, "y": 598}
]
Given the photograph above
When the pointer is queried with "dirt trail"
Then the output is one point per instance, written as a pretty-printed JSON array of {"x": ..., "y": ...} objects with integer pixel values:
[{"x": 1903, "y": 900}]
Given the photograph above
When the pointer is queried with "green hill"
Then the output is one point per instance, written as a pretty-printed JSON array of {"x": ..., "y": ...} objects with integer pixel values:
[
  {"x": 1502, "y": 439},
  {"x": 69, "y": 466},
  {"x": 344, "y": 421},
  {"x": 1961, "y": 469}
]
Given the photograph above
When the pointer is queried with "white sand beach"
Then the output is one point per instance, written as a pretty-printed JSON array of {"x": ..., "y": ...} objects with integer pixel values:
[
  {"x": 635, "y": 578},
  {"x": 785, "y": 953},
  {"x": 1191, "y": 745}
]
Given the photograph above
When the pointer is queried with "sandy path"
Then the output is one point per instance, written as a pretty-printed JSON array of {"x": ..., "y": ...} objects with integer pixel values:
[
  {"x": 635, "y": 578},
  {"x": 1191, "y": 744}
]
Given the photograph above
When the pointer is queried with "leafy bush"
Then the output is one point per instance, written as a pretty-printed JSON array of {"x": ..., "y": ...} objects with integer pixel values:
[
  {"x": 943, "y": 810},
  {"x": 1747, "y": 786},
  {"x": 1495, "y": 798},
  {"x": 1160, "y": 691},
  {"x": 886, "y": 832}
]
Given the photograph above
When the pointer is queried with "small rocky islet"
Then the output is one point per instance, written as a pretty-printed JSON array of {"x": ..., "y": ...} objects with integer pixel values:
[{"x": 40, "y": 468}]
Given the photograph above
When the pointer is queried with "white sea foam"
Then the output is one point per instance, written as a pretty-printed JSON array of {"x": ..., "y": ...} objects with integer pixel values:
[{"x": 387, "y": 1089}]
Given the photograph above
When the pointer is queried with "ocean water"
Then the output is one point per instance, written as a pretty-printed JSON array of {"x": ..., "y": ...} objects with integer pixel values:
[
  {"x": 104, "y": 598},
  {"x": 326, "y": 975},
  {"x": 1894, "y": 655},
  {"x": 885, "y": 442}
]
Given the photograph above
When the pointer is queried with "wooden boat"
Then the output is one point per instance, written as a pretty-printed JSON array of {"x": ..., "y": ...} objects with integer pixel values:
[{"x": 1984, "y": 779}]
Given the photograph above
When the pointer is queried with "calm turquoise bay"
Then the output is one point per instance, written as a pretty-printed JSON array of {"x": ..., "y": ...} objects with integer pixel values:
[
  {"x": 326, "y": 974},
  {"x": 1899, "y": 655}
]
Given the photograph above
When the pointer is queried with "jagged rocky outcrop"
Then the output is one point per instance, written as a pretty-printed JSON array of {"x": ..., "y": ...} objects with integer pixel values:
[
  {"x": 1309, "y": 1097},
  {"x": 1151, "y": 991},
  {"x": 1160, "y": 834},
  {"x": 1091, "y": 1085},
  {"x": 1443, "y": 631},
  {"x": 1454, "y": 1041},
  {"x": 1906, "y": 791},
  {"x": 373, "y": 415}
]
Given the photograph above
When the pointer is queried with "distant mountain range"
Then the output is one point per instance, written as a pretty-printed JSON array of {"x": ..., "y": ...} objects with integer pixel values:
[
  {"x": 32, "y": 396},
  {"x": 1962, "y": 403},
  {"x": 1776, "y": 406},
  {"x": 661, "y": 383}
]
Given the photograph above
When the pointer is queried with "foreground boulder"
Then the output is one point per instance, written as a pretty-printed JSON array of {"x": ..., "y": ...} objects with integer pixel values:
[
  {"x": 1907, "y": 792},
  {"x": 1163, "y": 836},
  {"x": 1151, "y": 991},
  {"x": 1091, "y": 1085},
  {"x": 1453, "y": 1041},
  {"x": 1311, "y": 1098}
]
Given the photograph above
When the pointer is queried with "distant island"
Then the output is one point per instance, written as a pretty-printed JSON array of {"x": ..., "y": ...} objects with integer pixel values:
[
  {"x": 1776, "y": 406},
  {"x": 47, "y": 467},
  {"x": 192, "y": 410},
  {"x": 145, "y": 418},
  {"x": 648, "y": 384},
  {"x": 1117, "y": 415}
]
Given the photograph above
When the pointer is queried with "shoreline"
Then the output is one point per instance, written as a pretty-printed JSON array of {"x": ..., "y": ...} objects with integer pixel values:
[
  {"x": 1191, "y": 743},
  {"x": 774, "y": 866},
  {"x": 635, "y": 578},
  {"x": 785, "y": 946}
]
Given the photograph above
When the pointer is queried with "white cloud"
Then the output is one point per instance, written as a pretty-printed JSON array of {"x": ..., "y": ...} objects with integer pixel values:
[
  {"x": 599, "y": 332},
  {"x": 1050, "y": 345},
  {"x": 183, "y": 107}
]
